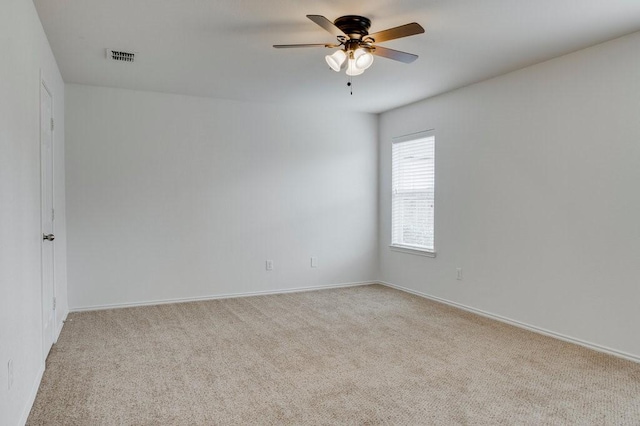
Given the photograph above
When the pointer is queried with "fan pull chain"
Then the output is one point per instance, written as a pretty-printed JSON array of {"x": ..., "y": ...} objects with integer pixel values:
[{"x": 350, "y": 85}]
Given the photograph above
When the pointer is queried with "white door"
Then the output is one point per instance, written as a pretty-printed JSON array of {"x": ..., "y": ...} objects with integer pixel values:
[{"x": 46, "y": 170}]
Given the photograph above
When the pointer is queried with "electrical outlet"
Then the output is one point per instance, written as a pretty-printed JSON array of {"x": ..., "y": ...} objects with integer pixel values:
[
  {"x": 459, "y": 274},
  {"x": 269, "y": 265},
  {"x": 314, "y": 262},
  {"x": 10, "y": 374}
]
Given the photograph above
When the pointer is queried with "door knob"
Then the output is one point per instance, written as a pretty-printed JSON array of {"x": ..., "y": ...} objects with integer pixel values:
[{"x": 49, "y": 237}]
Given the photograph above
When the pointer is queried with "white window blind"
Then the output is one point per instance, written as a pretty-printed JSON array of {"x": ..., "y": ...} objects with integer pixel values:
[{"x": 413, "y": 197}]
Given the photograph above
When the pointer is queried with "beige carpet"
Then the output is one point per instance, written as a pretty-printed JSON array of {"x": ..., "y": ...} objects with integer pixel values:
[{"x": 362, "y": 355}]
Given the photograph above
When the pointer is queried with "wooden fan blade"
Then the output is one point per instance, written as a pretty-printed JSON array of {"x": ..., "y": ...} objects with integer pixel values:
[
  {"x": 326, "y": 24},
  {"x": 397, "y": 32},
  {"x": 289, "y": 46},
  {"x": 396, "y": 55}
]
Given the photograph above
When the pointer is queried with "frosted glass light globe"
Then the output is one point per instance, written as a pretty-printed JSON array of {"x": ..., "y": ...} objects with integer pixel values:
[
  {"x": 352, "y": 69},
  {"x": 336, "y": 60},
  {"x": 363, "y": 58}
]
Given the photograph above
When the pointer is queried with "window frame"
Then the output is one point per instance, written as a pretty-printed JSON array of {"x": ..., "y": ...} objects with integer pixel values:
[{"x": 407, "y": 248}]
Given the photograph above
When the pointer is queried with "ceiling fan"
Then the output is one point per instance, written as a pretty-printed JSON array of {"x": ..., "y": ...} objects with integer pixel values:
[{"x": 356, "y": 45}]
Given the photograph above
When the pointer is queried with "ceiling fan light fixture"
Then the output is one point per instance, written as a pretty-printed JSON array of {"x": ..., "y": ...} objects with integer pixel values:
[
  {"x": 363, "y": 58},
  {"x": 336, "y": 60},
  {"x": 356, "y": 46}
]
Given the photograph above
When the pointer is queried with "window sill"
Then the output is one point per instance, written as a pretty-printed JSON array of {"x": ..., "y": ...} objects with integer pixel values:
[{"x": 409, "y": 250}]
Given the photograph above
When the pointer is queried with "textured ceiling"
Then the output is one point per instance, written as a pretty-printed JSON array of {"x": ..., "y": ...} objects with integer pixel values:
[{"x": 222, "y": 48}]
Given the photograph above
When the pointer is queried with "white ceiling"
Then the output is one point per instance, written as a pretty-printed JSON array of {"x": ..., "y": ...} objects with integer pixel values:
[{"x": 222, "y": 48}]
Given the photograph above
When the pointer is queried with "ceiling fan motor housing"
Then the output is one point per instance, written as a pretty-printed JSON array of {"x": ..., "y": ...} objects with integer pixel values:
[{"x": 356, "y": 27}]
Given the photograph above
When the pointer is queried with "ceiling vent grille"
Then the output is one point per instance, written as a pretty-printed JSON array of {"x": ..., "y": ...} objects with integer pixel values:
[{"x": 121, "y": 56}]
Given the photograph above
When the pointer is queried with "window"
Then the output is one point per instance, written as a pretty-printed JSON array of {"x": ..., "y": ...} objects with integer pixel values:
[{"x": 413, "y": 192}]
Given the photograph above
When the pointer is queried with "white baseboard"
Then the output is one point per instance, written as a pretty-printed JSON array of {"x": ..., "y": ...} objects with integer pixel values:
[
  {"x": 32, "y": 397},
  {"x": 219, "y": 296},
  {"x": 519, "y": 324}
]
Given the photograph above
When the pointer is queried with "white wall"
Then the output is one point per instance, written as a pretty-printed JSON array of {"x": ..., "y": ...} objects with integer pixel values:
[
  {"x": 179, "y": 197},
  {"x": 537, "y": 198},
  {"x": 25, "y": 53}
]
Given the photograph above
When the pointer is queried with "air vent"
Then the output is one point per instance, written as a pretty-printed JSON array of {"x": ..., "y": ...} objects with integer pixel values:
[{"x": 119, "y": 55}]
